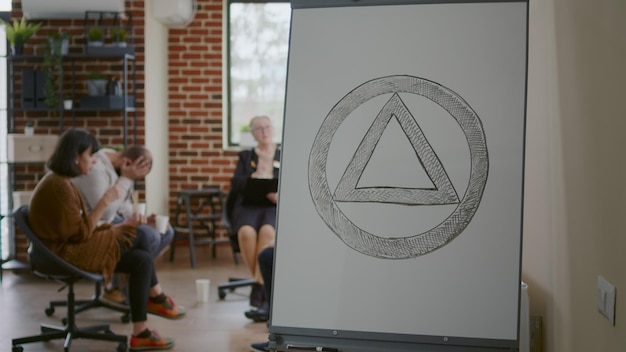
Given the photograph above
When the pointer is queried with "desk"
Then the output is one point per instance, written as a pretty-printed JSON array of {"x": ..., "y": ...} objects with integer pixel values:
[{"x": 198, "y": 213}]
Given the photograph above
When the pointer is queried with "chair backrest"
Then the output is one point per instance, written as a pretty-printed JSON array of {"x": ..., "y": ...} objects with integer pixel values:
[
  {"x": 43, "y": 262},
  {"x": 227, "y": 218}
]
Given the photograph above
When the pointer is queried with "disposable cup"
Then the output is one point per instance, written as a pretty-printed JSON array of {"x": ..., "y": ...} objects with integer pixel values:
[
  {"x": 161, "y": 222},
  {"x": 202, "y": 289},
  {"x": 139, "y": 208}
]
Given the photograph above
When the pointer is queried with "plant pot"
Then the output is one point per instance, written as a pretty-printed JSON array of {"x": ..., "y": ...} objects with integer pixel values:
[
  {"x": 64, "y": 45},
  {"x": 95, "y": 43},
  {"x": 68, "y": 104},
  {"x": 246, "y": 139},
  {"x": 17, "y": 49},
  {"x": 119, "y": 44},
  {"x": 96, "y": 87}
]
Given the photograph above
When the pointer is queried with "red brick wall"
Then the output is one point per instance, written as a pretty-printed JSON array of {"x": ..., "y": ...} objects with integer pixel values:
[
  {"x": 196, "y": 155},
  {"x": 196, "y": 105},
  {"x": 107, "y": 126}
]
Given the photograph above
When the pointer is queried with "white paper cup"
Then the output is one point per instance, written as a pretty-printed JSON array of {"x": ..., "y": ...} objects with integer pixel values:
[
  {"x": 161, "y": 222},
  {"x": 202, "y": 289},
  {"x": 139, "y": 208}
]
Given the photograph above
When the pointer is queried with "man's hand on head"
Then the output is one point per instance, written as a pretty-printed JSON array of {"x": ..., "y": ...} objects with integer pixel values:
[{"x": 136, "y": 169}]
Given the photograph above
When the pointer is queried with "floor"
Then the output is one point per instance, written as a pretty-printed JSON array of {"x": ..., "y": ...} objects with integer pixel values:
[{"x": 218, "y": 325}]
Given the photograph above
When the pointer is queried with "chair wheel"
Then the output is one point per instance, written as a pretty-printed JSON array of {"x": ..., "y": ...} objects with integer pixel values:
[
  {"x": 64, "y": 321},
  {"x": 17, "y": 349},
  {"x": 221, "y": 294},
  {"x": 121, "y": 347},
  {"x": 125, "y": 318},
  {"x": 49, "y": 311}
]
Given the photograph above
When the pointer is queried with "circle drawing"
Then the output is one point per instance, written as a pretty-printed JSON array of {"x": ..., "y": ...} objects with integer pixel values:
[{"x": 419, "y": 243}]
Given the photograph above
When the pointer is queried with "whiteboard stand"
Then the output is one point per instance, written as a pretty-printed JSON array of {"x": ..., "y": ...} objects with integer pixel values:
[{"x": 365, "y": 266}]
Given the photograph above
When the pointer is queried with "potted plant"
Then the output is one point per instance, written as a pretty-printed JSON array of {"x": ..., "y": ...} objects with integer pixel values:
[
  {"x": 245, "y": 137},
  {"x": 95, "y": 36},
  {"x": 18, "y": 32},
  {"x": 118, "y": 37},
  {"x": 68, "y": 103},
  {"x": 53, "y": 66},
  {"x": 96, "y": 84},
  {"x": 29, "y": 129},
  {"x": 59, "y": 43}
]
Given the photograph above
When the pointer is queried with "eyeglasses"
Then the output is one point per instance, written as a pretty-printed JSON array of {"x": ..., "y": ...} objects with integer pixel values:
[{"x": 262, "y": 128}]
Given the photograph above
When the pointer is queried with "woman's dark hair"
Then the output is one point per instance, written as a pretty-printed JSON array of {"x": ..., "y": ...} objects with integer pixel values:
[{"x": 71, "y": 144}]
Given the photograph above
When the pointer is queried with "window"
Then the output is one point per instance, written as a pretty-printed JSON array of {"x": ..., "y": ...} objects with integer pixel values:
[{"x": 256, "y": 65}]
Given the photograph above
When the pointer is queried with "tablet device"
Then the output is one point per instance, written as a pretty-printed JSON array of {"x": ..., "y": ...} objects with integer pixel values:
[{"x": 255, "y": 193}]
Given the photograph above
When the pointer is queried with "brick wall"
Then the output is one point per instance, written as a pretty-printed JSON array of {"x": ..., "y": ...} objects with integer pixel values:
[
  {"x": 196, "y": 156},
  {"x": 195, "y": 104}
]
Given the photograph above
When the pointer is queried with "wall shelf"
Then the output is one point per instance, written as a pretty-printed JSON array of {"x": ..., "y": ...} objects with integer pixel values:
[{"x": 16, "y": 65}]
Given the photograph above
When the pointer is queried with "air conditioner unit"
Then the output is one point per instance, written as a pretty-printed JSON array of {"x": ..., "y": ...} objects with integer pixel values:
[
  {"x": 174, "y": 13},
  {"x": 47, "y": 9}
]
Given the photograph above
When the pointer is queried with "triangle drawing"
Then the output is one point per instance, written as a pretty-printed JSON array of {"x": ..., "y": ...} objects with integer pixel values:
[{"x": 443, "y": 191}]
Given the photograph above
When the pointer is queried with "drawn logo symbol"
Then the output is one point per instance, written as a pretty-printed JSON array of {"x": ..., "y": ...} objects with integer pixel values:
[{"x": 443, "y": 191}]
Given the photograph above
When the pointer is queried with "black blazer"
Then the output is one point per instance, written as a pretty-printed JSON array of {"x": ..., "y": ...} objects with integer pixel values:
[{"x": 246, "y": 166}]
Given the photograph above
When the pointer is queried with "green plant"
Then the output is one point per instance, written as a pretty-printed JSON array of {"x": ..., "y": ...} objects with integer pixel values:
[
  {"x": 53, "y": 66},
  {"x": 119, "y": 34},
  {"x": 59, "y": 42},
  {"x": 245, "y": 128},
  {"x": 59, "y": 36},
  {"x": 96, "y": 75},
  {"x": 95, "y": 34},
  {"x": 18, "y": 31}
]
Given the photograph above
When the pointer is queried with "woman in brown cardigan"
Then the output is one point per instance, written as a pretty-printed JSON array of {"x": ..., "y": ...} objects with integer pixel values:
[{"x": 58, "y": 215}]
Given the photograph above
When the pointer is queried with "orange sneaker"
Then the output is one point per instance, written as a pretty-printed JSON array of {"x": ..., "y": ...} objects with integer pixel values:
[
  {"x": 167, "y": 309},
  {"x": 151, "y": 343}
]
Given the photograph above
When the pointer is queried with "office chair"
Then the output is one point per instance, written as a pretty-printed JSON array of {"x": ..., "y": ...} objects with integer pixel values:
[
  {"x": 46, "y": 264},
  {"x": 227, "y": 215}
]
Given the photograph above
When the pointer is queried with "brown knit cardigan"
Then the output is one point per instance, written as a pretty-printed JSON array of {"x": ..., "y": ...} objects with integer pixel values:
[{"x": 58, "y": 216}]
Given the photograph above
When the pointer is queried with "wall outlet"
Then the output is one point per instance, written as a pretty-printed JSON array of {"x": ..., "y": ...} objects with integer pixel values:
[{"x": 606, "y": 299}]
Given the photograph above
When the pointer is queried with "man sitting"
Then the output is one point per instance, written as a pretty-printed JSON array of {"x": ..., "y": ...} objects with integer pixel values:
[{"x": 124, "y": 168}]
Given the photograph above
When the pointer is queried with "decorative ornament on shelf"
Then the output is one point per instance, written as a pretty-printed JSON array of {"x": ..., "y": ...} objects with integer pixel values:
[{"x": 18, "y": 32}]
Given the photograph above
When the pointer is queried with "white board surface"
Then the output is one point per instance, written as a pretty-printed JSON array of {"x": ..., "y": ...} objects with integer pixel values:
[{"x": 400, "y": 203}]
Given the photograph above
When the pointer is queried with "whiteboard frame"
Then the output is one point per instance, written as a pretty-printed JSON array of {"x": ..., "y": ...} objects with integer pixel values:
[{"x": 286, "y": 338}]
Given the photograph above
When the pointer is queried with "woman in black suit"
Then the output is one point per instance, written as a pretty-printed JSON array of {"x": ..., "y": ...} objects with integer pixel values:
[{"x": 255, "y": 223}]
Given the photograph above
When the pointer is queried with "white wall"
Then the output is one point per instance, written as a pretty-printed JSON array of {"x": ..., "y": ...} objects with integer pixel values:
[
  {"x": 575, "y": 170},
  {"x": 156, "y": 107}
]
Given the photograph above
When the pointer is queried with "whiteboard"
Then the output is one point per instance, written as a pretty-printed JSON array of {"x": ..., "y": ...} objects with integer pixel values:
[{"x": 401, "y": 187}]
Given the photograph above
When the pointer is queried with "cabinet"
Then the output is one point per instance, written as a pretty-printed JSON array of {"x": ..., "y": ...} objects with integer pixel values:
[{"x": 25, "y": 100}]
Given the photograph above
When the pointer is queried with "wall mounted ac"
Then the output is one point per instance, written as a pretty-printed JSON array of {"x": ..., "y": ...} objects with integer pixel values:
[
  {"x": 174, "y": 13},
  {"x": 68, "y": 8}
]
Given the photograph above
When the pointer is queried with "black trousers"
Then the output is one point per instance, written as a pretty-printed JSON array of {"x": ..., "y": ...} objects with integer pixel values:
[
  {"x": 266, "y": 266},
  {"x": 138, "y": 263}
]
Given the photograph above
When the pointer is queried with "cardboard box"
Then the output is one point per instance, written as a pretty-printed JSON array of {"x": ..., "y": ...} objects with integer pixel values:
[{"x": 35, "y": 148}]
